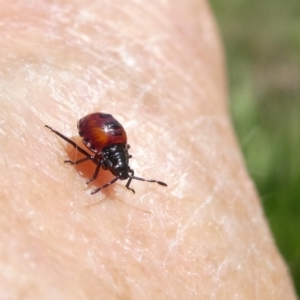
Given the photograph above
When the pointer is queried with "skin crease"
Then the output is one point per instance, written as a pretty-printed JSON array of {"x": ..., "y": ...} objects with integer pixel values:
[{"x": 159, "y": 70}]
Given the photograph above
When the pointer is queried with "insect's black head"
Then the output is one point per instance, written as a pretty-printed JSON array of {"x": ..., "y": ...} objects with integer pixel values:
[
  {"x": 116, "y": 159},
  {"x": 121, "y": 172}
]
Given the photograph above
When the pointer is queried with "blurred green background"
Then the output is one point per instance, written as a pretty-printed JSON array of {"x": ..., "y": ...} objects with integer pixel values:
[{"x": 262, "y": 42}]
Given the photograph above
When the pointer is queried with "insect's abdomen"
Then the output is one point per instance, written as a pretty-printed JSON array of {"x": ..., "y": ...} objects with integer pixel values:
[{"x": 99, "y": 130}]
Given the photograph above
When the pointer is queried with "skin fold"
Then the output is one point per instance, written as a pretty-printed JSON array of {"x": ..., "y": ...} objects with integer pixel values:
[{"x": 158, "y": 68}]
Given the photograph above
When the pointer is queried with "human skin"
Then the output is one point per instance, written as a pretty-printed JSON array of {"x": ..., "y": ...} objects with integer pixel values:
[{"x": 159, "y": 69}]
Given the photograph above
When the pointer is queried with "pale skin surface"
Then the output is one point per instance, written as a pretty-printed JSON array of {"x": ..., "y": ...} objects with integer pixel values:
[{"x": 159, "y": 69}]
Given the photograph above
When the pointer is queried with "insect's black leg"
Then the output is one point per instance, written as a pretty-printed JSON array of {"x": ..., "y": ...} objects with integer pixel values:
[
  {"x": 128, "y": 147},
  {"x": 95, "y": 173},
  {"x": 76, "y": 162},
  {"x": 129, "y": 181},
  {"x": 104, "y": 186},
  {"x": 68, "y": 140}
]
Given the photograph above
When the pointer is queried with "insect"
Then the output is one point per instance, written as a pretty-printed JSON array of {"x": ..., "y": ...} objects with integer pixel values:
[{"x": 103, "y": 135}]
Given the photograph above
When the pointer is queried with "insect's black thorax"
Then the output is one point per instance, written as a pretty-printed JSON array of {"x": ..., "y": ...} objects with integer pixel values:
[{"x": 116, "y": 159}]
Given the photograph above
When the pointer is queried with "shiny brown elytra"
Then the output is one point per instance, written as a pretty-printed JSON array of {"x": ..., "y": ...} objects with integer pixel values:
[{"x": 102, "y": 134}]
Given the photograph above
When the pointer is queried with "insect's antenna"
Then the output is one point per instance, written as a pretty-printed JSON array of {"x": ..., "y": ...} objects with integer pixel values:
[
  {"x": 104, "y": 186},
  {"x": 149, "y": 180}
]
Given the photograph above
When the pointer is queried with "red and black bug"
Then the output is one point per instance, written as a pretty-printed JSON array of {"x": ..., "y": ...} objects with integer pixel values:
[{"x": 105, "y": 136}]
